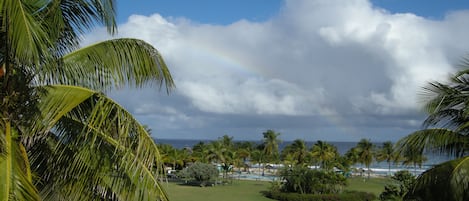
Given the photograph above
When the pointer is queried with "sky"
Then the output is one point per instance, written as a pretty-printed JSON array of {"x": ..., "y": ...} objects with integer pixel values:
[{"x": 333, "y": 70}]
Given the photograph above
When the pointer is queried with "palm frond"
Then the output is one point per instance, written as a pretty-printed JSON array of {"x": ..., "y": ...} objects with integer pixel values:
[
  {"x": 15, "y": 173},
  {"x": 452, "y": 176},
  {"x": 27, "y": 39},
  {"x": 100, "y": 148},
  {"x": 112, "y": 63},
  {"x": 82, "y": 15},
  {"x": 442, "y": 141},
  {"x": 69, "y": 18}
]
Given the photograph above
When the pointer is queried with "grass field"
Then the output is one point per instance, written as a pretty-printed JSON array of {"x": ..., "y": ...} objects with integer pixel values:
[
  {"x": 251, "y": 190},
  {"x": 372, "y": 185},
  {"x": 238, "y": 190}
]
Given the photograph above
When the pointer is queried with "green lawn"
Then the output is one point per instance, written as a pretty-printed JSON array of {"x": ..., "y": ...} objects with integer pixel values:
[
  {"x": 372, "y": 185},
  {"x": 251, "y": 190},
  {"x": 238, "y": 190}
]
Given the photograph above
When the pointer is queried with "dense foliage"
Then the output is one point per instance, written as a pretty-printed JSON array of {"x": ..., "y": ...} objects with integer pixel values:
[
  {"x": 61, "y": 137},
  {"x": 346, "y": 196},
  {"x": 403, "y": 183},
  {"x": 201, "y": 172},
  {"x": 304, "y": 180}
]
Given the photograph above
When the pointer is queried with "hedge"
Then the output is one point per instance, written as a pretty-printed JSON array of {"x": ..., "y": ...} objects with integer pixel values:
[{"x": 347, "y": 196}]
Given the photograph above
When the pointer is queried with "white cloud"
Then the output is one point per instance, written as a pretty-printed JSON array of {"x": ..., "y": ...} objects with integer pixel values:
[{"x": 316, "y": 57}]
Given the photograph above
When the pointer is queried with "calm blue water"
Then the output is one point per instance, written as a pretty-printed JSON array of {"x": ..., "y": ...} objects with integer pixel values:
[{"x": 342, "y": 147}]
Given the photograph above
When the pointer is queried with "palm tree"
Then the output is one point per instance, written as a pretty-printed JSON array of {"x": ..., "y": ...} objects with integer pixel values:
[
  {"x": 226, "y": 141},
  {"x": 177, "y": 158},
  {"x": 200, "y": 151},
  {"x": 386, "y": 153},
  {"x": 446, "y": 133},
  {"x": 365, "y": 153},
  {"x": 270, "y": 146},
  {"x": 80, "y": 144},
  {"x": 413, "y": 157},
  {"x": 165, "y": 151},
  {"x": 257, "y": 157},
  {"x": 324, "y": 153},
  {"x": 298, "y": 150}
]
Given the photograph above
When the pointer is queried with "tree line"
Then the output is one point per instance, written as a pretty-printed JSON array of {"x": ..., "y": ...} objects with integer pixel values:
[{"x": 241, "y": 155}]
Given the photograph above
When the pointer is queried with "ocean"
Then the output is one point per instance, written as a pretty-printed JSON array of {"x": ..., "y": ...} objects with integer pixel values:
[{"x": 377, "y": 168}]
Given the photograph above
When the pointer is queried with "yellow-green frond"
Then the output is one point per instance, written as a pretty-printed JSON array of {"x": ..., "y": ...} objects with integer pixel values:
[
  {"x": 27, "y": 39},
  {"x": 98, "y": 142},
  {"x": 14, "y": 168},
  {"x": 112, "y": 63}
]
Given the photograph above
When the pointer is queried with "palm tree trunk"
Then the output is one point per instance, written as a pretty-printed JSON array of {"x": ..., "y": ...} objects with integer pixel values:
[
  {"x": 389, "y": 168},
  {"x": 263, "y": 168}
]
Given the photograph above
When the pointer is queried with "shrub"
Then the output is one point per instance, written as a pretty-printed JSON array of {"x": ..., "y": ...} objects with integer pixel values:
[
  {"x": 348, "y": 196},
  {"x": 305, "y": 181},
  {"x": 200, "y": 172},
  {"x": 404, "y": 181}
]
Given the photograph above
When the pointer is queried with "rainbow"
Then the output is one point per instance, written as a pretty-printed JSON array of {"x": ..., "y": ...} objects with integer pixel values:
[{"x": 228, "y": 60}]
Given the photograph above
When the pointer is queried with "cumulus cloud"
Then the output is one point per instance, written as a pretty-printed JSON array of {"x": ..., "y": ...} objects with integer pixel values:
[{"x": 344, "y": 60}]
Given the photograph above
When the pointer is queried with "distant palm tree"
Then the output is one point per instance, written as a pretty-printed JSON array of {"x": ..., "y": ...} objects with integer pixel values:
[
  {"x": 200, "y": 152},
  {"x": 271, "y": 142},
  {"x": 270, "y": 146},
  {"x": 298, "y": 150},
  {"x": 216, "y": 152},
  {"x": 226, "y": 141},
  {"x": 244, "y": 150},
  {"x": 387, "y": 153},
  {"x": 413, "y": 157},
  {"x": 324, "y": 153},
  {"x": 365, "y": 151},
  {"x": 243, "y": 154},
  {"x": 257, "y": 157}
]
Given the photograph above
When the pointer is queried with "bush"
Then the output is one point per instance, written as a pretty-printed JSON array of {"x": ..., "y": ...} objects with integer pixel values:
[
  {"x": 200, "y": 172},
  {"x": 306, "y": 181},
  {"x": 348, "y": 196},
  {"x": 404, "y": 182}
]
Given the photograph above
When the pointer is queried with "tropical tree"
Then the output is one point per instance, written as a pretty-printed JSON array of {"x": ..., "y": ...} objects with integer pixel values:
[
  {"x": 200, "y": 152},
  {"x": 365, "y": 151},
  {"x": 226, "y": 141},
  {"x": 80, "y": 144},
  {"x": 387, "y": 153},
  {"x": 413, "y": 157},
  {"x": 270, "y": 143},
  {"x": 298, "y": 150},
  {"x": 257, "y": 157},
  {"x": 165, "y": 150},
  {"x": 243, "y": 150},
  {"x": 324, "y": 153},
  {"x": 446, "y": 132}
]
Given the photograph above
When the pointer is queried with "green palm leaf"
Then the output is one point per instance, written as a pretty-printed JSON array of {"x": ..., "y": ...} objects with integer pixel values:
[
  {"x": 435, "y": 140},
  {"x": 25, "y": 38},
  {"x": 68, "y": 18},
  {"x": 447, "y": 181},
  {"x": 110, "y": 63},
  {"x": 14, "y": 168},
  {"x": 100, "y": 149}
]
